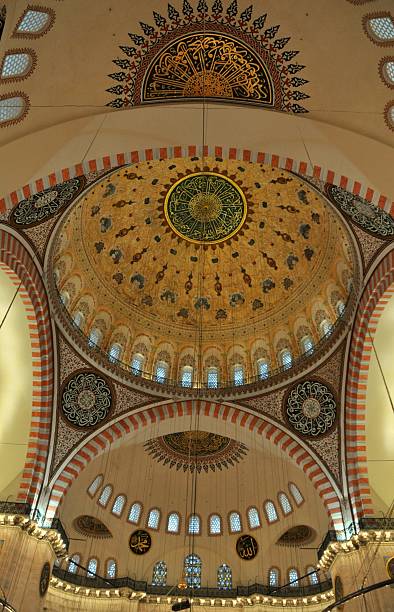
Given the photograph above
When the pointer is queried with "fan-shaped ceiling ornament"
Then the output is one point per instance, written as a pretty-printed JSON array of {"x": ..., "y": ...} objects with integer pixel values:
[
  {"x": 310, "y": 408},
  {"x": 86, "y": 399},
  {"x": 214, "y": 52},
  {"x": 200, "y": 450},
  {"x": 91, "y": 527},
  {"x": 297, "y": 535}
]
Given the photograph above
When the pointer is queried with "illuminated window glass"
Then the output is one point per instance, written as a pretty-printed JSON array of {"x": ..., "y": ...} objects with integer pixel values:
[
  {"x": 286, "y": 359},
  {"x": 161, "y": 372},
  {"x": 325, "y": 327},
  {"x": 118, "y": 505},
  {"x": 173, "y": 523},
  {"x": 238, "y": 374},
  {"x": 92, "y": 567},
  {"x": 78, "y": 319},
  {"x": 12, "y": 108},
  {"x": 296, "y": 493},
  {"x": 93, "y": 488},
  {"x": 215, "y": 524},
  {"x": 135, "y": 513},
  {"x": 340, "y": 307},
  {"x": 225, "y": 577},
  {"x": 72, "y": 567},
  {"x": 235, "y": 522},
  {"x": 111, "y": 568},
  {"x": 105, "y": 495},
  {"x": 193, "y": 571},
  {"x": 194, "y": 524},
  {"x": 33, "y": 22},
  {"x": 154, "y": 518},
  {"x": 95, "y": 337},
  {"x": 213, "y": 378},
  {"x": 64, "y": 296},
  {"x": 293, "y": 577},
  {"x": 284, "y": 502},
  {"x": 273, "y": 577},
  {"x": 159, "y": 575},
  {"x": 253, "y": 518},
  {"x": 187, "y": 376},
  {"x": 263, "y": 369},
  {"x": 137, "y": 364},
  {"x": 307, "y": 345},
  {"x": 114, "y": 352},
  {"x": 382, "y": 28},
  {"x": 313, "y": 577},
  {"x": 270, "y": 511},
  {"x": 16, "y": 65},
  {"x": 388, "y": 71}
]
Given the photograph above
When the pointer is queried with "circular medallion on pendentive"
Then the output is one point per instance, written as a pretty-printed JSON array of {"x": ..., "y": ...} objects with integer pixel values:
[
  {"x": 205, "y": 207},
  {"x": 310, "y": 408},
  {"x": 140, "y": 542},
  {"x": 45, "y": 578},
  {"x": 247, "y": 547},
  {"x": 86, "y": 399},
  {"x": 338, "y": 590},
  {"x": 390, "y": 567}
]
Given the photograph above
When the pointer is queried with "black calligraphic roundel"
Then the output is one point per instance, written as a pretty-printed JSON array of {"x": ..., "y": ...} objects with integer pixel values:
[
  {"x": 140, "y": 542},
  {"x": 247, "y": 547},
  {"x": 45, "y": 578}
]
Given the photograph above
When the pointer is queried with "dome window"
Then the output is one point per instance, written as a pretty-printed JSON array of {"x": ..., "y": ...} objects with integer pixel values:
[
  {"x": 381, "y": 28},
  {"x": 111, "y": 568},
  {"x": 193, "y": 571},
  {"x": 95, "y": 338},
  {"x": 159, "y": 575},
  {"x": 17, "y": 65},
  {"x": 296, "y": 493},
  {"x": 93, "y": 488},
  {"x": 92, "y": 567},
  {"x": 72, "y": 566},
  {"x": 238, "y": 375},
  {"x": 253, "y": 518},
  {"x": 161, "y": 372},
  {"x": 273, "y": 577},
  {"x": 215, "y": 524},
  {"x": 64, "y": 296},
  {"x": 118, "y": 505},
  {"x": 263, "y": 369},
  {"x": 307, "y": 345},
  {"x": 285, "y": 503},
  {"x": 137, "y": 364},
  {"x": 225, "y": 577},
  {"x": 325, "y": 328},
  {"x": 235, "y": 522},
  {"x": 114, "y": 352},
  {"x": 187, "y": 376},
  {"x": 194, "y": 524},
  {"x": 154, "y": 518},
  {"x": 293, "y": 577},
  {"x": 34, "y": 22},
  {"x": 105, "y": 495},
  {"x": 286, "y": 359},
  {"x": 78, "y": 319},
  {"x": 173, "y": 523},
  {"x": 270, "y": 512},
  {"x": 135, "y": 513},
  {"x": 313, "y": 577},
  {"x": 387, "y": 71},
  {"x": 389, "y": 114},
  {"x": 340, "y": 307},
  {"x": 213, "y": 377}
]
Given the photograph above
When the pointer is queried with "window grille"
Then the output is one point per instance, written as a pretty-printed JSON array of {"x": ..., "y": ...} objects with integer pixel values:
[
  {"x": 161, "y": 373},
  {"x": 159, "y": 575},
  {"x": 225, "y": 578},
  {"x": 193, "y": 571},
  {"x": 16, "y": 65},
  {"x": 114, "y": 353},
  {"x": 105, "y": 495},
  {"x": 313, "y": 577},
  {"x": 263, "y": 369},
  {"x": 284, "y": 502},
  {"x": 154, "y": 518},
  {"x": 173, "y": 523},
  {"x": 92, "y": 568},
  {"x": 238, "y": 375},
  {"x": 307, "y": 345},
  {"x": 235, "y": 522},
  {"x": 296, "y": 493},
  {"x": 286, "y": 359},
  {"x": 253, "y": 518},
  {"x": 137, "y": 364},
  {"x": 213, "y": 378},
  {"x": 340, "y": 307},
  {"x": 293, "y": 577},
  {"x": 72, "y": 567},
  {"x": 135, "y": 513},
  {"x": 187, "y": 376},
  {"x": 215, "y": 524},
  {"x": 78, "y": 319},
  {"x": 11, "y": 109},
  {"x": 271, "y": 512},
  {"x": 118, "y": 505},
  {"x": 325, "y": 327},
  {"x": 33, "y": 22},
  {"x": 194, "y": 524},
  {"x": 382, "y": 28},
  {"x": 95, "y": 337},
  {"x": 273, "y": 577},
  {"x": 111, "y": 568},
  {"x": 93, "y": 488}
]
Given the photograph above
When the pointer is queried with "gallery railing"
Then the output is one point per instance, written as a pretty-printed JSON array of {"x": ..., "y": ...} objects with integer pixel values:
[
  {"x": 10, "y": 507},
  {"x": 378, "y": 523}
]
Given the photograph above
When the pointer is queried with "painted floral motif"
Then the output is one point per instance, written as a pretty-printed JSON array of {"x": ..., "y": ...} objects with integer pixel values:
[
  {"x": 86, "y": 400},
  {"x": 40, "y": 206},
  {"x": 366, "y": 215},
  {"x": 311, "y": 408}
]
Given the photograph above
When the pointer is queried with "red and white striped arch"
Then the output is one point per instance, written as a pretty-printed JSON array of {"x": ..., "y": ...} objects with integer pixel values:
[
  {"x": 377, "y": 292},
  {"x": 237, "y": 416},
  {"x": 18, "y": 264},
  {"x": 109, "y": 162}
]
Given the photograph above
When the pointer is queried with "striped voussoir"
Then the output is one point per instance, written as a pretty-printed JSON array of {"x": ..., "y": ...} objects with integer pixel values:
[
  {"x": 377, "y": 292},
  {"x": 113, "y": 161},
  {"x": 237, "y": 416},
  {"x": 16, "y": 262}
]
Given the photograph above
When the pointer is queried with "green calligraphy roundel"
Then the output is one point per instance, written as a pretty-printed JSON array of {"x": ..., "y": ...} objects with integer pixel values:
[{"x": 205, "y": 208}]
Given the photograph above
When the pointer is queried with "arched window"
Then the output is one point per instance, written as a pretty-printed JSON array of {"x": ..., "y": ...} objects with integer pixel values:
[
  {"x": 95, "y": 337},
  {"x": 137, "y": 364},
  {"x": 154, "y": 518},
  {"x": 78, "y": 319},
  {"x": 253, "y": 518},
  {"x": 93, "y": 488},
  {"x": 387, "y": 71},
  {"x": 293, "y": 577},
  {"x": 296, "y": 493},
  {"x": 187, "y": 376},
  {"x": 111, "y": 568},
  {"x": 213, "y": 377},
  {"x": 381, "y": 28},
  {"x": 135, "y": 513},
  {"x": 340, "y": 307},
  {"x": 114, "y": 352},
  {"x": 238, "y": 374},
  {"x": 215, "y": 524},
  {"x": 273, "y": 577},
  {"x": 234, "y": 520},
  {"x": 263, "y": 369},
  {"x": 33, "y": 22},
  {"x": 118, "y": 505},
  {"x": 285, "y": 503},
  {"x": 270, "y": 512},
  {"x": 17, "y": 65},
  {"x": 159, "y": 575},
  {"x": 286, "y": 359},
  {"x": 105, "y": 495},
  {"x": 225, "y": 577},
  {"x": 72, "y": 567},
  {"x": 325, "y": 328},
  {"x": 313, "y": 576},
  {"x": 173, "y": 523},
  {"x": 64, "y": 296},
  {"x": 194, "y": 524},
  {"x": 307, "y": 344},
  {"x": 92, "y": 567},
  {"x": 193, "y": 571},
  {"x": 12, "y": 108},
  {"x": 161, "y": 371}
]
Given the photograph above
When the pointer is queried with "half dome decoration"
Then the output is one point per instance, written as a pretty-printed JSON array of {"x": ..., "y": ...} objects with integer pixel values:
[
  {"x": 91, "y": 527},
  {"x": 300, "y": 534},
  {"x": 86, "y": 400},
  {"x": 219, "y": 53},
  {"x": 200, "y": 450},
  {"x": 311, "y": 408}
]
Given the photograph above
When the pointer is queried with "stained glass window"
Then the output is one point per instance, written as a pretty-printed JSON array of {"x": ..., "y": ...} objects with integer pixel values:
[
  {"x": 194, "y": 524},
  {"x": 33, "y": 22},
  {"x": 307, "y": 345},
  {"x": 71, "y": 564},
  {"x": 95, "y": 337},
  {"x": 78, "y": 318},
  {"x": 273, "y": 577},
  {"x": 114, "y": 352},
  {"x": 238, "y": 374},
  {"x": 137, "y": 364},
  {"x": 154, "y": 518},
  {"x": 159, "y": 575},
  {"x": 173, "y": 523},
  {"x": 293, "y": 577},
  {"x": 16, "y": 65},
  {"x": 313, "y": 577},
  {"x": 225, "y": 577},
  {"x": 193, "y": 571},
  {"x": 325, "y": 327},
  {"x": 382, "y": 28},
  {"x": 263, "y": 369},
  {"x": 215, "y": 524},
  {"x": 284, "y": 502},
  {"x": 296, "y": 493},
  {"x": 253, "y": 518},
  {"x": 92, "y": 567},
  {"x": 213, "y": 378},
  {"x": 161, "y": 373},
  {"x": 111, "y": 568},
  {"x": 235, "y": 522},
  {"x": 135, "y": 513},
  {"x": 187, "y": 376},
  {"x": 92, "y": 490},
  {"x": 105, "y": 495},
  {"x": 118, "y": 505},
  {"x": 270, "y": 511},
  {"x": 286, "y": 359}
]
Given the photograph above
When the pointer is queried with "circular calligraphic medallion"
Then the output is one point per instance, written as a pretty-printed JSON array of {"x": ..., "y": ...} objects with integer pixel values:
[
  {"x": 86, "y": 399},
  {"x": 247, "y": 547},
  {"x": 205, "y": 207},
  {"x": 310, "y": 408},
  {"x": 390, "y": 567},
  {"x": 140, "y": 542},
  {"x": 44, "y": 578}
]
